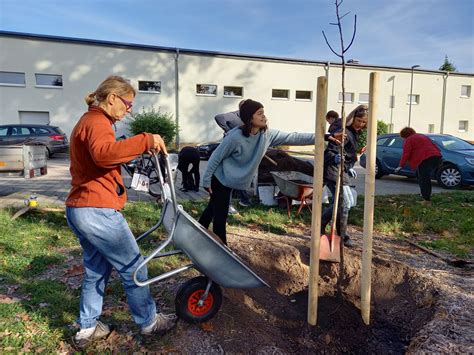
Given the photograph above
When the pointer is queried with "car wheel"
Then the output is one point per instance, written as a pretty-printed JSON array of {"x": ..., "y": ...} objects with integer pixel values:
[
  {"x": 48, "y": 154},
  {"x": 378, "y": 170},
  {"x": 449, "y": 177}
]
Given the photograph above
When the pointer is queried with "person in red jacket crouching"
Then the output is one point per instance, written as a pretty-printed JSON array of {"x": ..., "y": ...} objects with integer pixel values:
[{"x": 422, "y": 155}]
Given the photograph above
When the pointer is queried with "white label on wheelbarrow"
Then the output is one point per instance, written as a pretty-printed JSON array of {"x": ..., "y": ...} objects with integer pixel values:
[{"x": 140, "y": 182}]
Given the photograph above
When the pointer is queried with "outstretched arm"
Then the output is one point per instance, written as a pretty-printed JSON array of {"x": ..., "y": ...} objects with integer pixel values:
[{"x": 295, "y": 138}]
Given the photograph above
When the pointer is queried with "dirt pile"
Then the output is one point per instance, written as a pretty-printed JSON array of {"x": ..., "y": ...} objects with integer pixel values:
[
  {"x": 406, "y": 306},
  {"x": 285, "y": 162}
]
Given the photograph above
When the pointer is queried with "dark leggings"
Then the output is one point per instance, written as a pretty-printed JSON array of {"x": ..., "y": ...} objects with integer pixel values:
[
  {"x": 424, "y": 175},
  {"x": 217, "y": 209},
  {"x": 342, "y": 214}
]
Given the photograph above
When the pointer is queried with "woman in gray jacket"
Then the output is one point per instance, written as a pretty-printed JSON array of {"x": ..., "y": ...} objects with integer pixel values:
[{"x": 235, "y": 162}]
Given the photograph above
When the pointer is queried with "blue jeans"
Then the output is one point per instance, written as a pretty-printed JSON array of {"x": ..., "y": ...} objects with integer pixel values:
[{"x": 107, "y": 243}]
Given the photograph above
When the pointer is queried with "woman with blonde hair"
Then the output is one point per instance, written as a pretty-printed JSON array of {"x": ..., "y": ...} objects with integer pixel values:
[
  {"x": 356, "y": 121},
  {"x": 93, "y": 210}
]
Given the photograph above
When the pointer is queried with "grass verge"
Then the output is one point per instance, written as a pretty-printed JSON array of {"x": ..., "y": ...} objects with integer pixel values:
[{"x": 38, "y": 306}]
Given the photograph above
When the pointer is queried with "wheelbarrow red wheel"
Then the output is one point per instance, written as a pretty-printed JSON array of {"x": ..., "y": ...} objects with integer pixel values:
[{"x": 188, "y": 296}]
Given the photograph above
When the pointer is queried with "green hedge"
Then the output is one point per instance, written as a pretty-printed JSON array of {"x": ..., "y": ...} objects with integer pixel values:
[
  {"x": 154, "y": 121},
  {"x": 382, "y": 128}
]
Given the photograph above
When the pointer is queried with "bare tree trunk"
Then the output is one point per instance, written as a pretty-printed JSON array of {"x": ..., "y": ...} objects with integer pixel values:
[{"x": 337, "y": 195}]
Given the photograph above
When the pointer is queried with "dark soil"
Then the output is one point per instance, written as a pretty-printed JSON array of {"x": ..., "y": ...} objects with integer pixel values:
[
  {"x": 419, "y": 304},
  {"x": 274, "y": 319}
]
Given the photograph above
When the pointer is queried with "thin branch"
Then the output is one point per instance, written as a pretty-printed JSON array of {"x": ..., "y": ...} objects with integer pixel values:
[
  {"x": 333, "y": 23},
  {"x": 327, "y": 42},
  {"x": 353, "y": 34},
  {"x": 344, "y": 15}
]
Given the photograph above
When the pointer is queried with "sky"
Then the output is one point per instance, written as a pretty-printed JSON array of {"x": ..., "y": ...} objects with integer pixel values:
[{"x": 398, "y": 33}]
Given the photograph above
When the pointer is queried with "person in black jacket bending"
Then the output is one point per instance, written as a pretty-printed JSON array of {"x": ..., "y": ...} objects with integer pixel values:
[
  {"x": 191, "y": 178},
  {"x": 356, "y": 122}
]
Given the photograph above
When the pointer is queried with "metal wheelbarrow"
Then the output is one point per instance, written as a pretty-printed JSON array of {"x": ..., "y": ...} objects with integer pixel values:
[
  {"x": 294, "y": 186},
  {"x": 200, "y": 298}
]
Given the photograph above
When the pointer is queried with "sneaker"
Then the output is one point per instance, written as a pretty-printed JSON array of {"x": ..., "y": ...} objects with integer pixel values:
[
  {"x": 162, "y": 323},
  {"x": 84, "y": 337},
  {"x": 348, "y": 242},
  {"x": 244, "y": 203},
  {"x": 232, "y": 210}
]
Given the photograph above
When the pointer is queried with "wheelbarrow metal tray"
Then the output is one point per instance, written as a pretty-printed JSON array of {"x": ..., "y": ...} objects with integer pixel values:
[
  {"x": 286, "y": 182},
  {"x": 212, "y": 257}
]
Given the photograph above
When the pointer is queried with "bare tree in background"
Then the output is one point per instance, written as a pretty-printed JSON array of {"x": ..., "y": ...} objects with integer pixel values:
[{"x": 337, "y": 195}]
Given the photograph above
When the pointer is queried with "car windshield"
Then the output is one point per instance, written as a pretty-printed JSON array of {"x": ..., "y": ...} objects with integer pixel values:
[{"x": 452, "y": 143}]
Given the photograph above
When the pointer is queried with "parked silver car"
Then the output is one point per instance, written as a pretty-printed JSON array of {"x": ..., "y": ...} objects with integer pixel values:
[{"x": 52, "y": 137}]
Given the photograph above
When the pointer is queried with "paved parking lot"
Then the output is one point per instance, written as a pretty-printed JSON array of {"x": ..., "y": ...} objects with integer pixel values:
[{"x": 53, "y": 188}]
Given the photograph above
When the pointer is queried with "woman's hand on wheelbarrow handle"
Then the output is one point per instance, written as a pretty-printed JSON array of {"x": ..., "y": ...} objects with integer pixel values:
[{"x": 159, "y": 144}]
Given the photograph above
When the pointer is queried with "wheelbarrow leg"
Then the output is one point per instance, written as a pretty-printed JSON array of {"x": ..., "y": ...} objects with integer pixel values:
[
  {"x": 204, "y": 296},
  {"x": 302, "y": 204}
]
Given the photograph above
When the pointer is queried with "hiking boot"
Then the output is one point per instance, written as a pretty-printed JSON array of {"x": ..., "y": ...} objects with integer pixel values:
[
  {"x": 84, "y": 338},
  {"x": 348, "y": 242},
  {"x": 232, "y": 210},
  {"x": 162, "y": 323}
]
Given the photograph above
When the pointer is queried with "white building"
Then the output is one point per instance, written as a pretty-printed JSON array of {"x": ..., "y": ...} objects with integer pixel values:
[{"x": 45, "y": 78}]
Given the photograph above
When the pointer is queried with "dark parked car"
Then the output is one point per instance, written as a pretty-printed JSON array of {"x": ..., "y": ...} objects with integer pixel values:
[
  {"x": 457, "y": 166},
  {"x": 52, "y": 137},
  {"x": 205, "y": 150}
]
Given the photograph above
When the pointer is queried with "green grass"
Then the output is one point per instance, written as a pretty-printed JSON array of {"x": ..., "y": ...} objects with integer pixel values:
[
  {"x": 40, "y": 319},
  {"x": 449, "y": 220}
]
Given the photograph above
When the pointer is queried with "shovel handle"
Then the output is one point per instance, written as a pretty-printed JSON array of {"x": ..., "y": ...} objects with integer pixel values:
[{"x": 270, "y": 160}]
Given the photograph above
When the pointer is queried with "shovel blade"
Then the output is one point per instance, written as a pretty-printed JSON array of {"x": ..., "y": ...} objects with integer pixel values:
[{"x": 327, "y": 253}]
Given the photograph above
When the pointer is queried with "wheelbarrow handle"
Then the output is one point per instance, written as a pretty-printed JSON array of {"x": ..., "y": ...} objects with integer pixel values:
[{"x": 169, "y": 174}]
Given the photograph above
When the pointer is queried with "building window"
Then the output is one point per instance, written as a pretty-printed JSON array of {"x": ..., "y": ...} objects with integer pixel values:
[
  {"x": 206, "y": 89},
  {"x": 349, "y": 97},
  {"x": 431, "y": 128},
  {"x": 12, "y": 78},
  {"x": 364, "y": 98},
  {"x": 233, "y": 91},
  {"x": 392, "y": 101},
  {"x": 463, "y": 126},
  {"x": 303, "y": 95},
  {"x": 415, "y": 99},
  {"x": 49, "y": 80},
  {"x": 149, "y": 86},
  {"x": 280, "y": 94},
  {"x": 465, "y": 90}
]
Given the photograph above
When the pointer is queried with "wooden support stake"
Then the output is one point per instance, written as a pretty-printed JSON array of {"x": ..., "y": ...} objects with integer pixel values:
[
  {"x": 366, "y": 278},
  {"x": 321, "y": 108}
]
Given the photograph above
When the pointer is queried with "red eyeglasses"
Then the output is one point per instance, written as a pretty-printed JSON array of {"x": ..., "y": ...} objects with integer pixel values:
[{"x": 128, "y": 104}]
